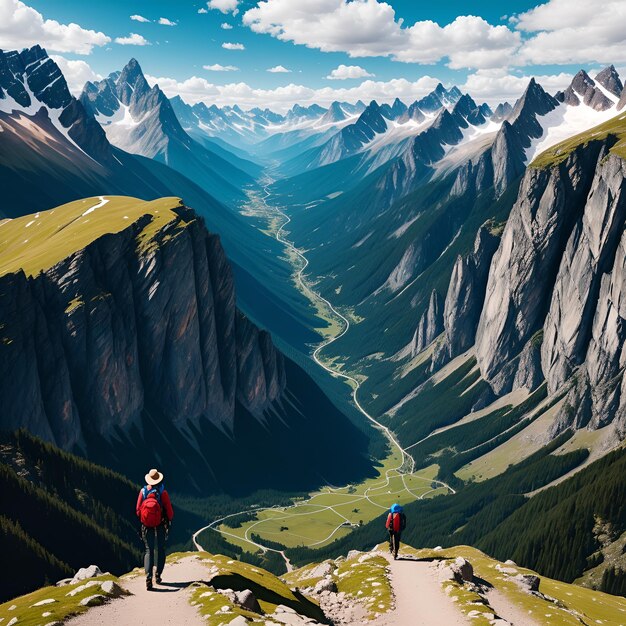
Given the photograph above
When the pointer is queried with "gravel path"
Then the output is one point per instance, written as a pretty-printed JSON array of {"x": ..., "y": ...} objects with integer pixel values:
[
  {"x": 420, "y": 599},
  {"x": 168, "y": 604}
]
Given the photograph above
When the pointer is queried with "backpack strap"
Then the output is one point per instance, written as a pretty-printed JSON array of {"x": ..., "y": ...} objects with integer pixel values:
[{"x": 146, "y": 491}]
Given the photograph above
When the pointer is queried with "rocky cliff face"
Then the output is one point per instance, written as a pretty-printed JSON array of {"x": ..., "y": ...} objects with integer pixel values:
[
  {"x": 124, "y": 326},
  {"x": 465, "y": 296},
  {"x": 30, "y": 81},
  {"x": 553, "y": 306}
]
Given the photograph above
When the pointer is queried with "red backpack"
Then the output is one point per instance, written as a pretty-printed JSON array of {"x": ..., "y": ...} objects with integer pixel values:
[{"x": 151, "y": 512}]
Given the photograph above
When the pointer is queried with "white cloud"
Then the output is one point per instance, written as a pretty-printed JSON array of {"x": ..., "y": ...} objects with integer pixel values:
[
  {"x": 226, "y": 26},
  {"x": 233, "y": 46},
  {"x": 366, "y": 28},
  {"x": 165, "y": 22},
  {"x": 574, "y": 31},
  {"x": 22, "y": 26},
  {"x": 225, "y": 6},
  {"x": 139, "y": 18},
  {"x": 132, "y": 40},
  {"x": 278, "y": 69},
  {"x": 283, "y": 98},
  {"x": 202, "y": 10},
  {"x": 495, "y": 86},
  {"x": 76, "y": 73},
  {"x": 220, "y": 68},
  {"x": 343, "y": 72}
]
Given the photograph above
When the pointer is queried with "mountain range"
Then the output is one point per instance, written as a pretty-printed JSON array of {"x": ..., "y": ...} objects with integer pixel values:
[{"x": 462, "y": 264}]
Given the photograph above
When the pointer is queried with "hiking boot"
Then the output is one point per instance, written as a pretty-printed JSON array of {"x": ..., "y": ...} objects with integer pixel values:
[
  {"x": 149, "y": 584},
  {"x": 158, "y": 579}
]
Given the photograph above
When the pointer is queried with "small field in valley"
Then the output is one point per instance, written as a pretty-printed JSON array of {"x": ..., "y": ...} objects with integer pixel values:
[{"x": 332, "y": 512}]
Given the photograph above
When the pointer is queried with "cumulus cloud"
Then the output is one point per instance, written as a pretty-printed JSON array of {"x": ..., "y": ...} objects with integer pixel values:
[
  {"x": 233, "y": 46},
  {"x": 494, "y": 86},
  {"x": 132, "y": 40},
  {"x": 165, "y": 22},
  {"x": 22, "y": 26},
  {"x": 226, "y": 26},
  {"x": 574, "y": 31},
  {"x": 278, "y": 69},
  {"x": 139, "y": 18},
  {"x": 220, "y": 68},
  {"x": 343, "y": 72},
  {"x": 202, "y": 10},
  {"x": 76, "y": 73},
  {"x": 366, "y": 28},
  {"x": 196, "y": 89},
  {"x": 225, "y": 6}
]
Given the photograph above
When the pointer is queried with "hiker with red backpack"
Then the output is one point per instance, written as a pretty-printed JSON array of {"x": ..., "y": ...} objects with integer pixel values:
[
  {"x": 154, "y": 509},
  {"x": 396, "y": 523}
]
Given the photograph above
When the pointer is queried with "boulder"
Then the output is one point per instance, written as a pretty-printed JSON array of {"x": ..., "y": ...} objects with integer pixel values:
[
  {"x": 111, "y": 588},
  {"x": 326, "y": 584},
  {"x": 463, "y": 570},
  {"x": 528, "y": 582},
  {"x": 94, "y": 600},
  {"x": 86, "y": 572},
  {"x": 247, "y": 600}
]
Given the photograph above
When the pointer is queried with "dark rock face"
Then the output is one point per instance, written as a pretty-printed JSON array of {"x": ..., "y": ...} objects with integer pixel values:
[
  {"x": 502, "y": 111},
  {"x": 430, "y": 324},
  {"x": 465, "y": 296},
  {"x": 622, "y": 100},
  {"x": 524, "y": 269},
  {"x": 31, "y": 71},
  {"x": 110, "y": 332},
  {"x": 610, "y": 80},
  {"x": 583, "y": 86}
]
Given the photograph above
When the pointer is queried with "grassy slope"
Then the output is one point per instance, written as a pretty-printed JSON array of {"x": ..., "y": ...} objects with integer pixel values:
[{"x": 35, "y": 243}]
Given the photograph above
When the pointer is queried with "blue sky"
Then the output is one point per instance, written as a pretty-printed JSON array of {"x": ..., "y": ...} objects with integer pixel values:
[{"x": 399, "y": 46}]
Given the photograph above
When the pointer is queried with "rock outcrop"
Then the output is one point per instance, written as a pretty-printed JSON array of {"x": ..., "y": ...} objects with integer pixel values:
[
  {"x": 465, "y": 295},
  {"x": 114, "y": 330},
  {"x": 430, "y": 324},
  {"x": 525, "y": 266}
]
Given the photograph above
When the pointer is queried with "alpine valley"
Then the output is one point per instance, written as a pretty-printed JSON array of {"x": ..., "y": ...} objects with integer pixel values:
[{"x": 304, "y": 316}]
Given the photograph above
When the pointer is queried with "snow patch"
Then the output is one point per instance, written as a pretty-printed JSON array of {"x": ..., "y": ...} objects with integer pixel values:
[
  {"x": 102, "y": 202},
  {"x": 566, "y": 121}
]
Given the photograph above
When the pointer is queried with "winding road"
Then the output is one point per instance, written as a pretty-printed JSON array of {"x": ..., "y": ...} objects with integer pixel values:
[{"x": 406, "y": 459}]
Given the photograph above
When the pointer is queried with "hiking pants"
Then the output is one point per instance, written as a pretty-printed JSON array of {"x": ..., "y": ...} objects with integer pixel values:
[
  {"x": 150, "y": 537},
  {"x": 394, "y": 542}
]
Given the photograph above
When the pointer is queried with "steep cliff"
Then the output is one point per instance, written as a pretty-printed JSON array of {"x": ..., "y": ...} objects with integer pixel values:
[
  {"x": 553, "y": 303},
  {"x": 118, "y": 319}
]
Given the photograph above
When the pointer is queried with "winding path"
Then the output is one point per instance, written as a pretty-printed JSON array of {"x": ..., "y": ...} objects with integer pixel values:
[{"x": 406, "y": 458}]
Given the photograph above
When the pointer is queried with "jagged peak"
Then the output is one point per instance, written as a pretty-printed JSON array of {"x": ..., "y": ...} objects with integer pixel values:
[
  {"x": 464, "y": 104},
  {"x": 610, "y": 80},
  {"x": 534, "y": 100}
]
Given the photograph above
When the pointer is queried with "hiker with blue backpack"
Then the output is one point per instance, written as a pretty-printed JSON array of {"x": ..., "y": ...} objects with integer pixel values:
[
  {"x": 154, "y": 510},
  {"x": 396, "y": 523}
]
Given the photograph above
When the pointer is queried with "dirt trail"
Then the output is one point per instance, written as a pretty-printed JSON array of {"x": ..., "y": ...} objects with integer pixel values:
[
  {"x": 169, "y": 602},
  {"x": 420, "y": 599}
]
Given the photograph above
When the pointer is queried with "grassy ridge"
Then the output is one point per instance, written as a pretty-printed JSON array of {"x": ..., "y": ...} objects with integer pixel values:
[{"x": 35, "y": 243}]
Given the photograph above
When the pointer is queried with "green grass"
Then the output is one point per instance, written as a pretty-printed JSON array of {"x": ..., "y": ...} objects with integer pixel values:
[
  {"x": 269, "y": 590},
  {"x": 63, "y": 606},
  {"x": 362, "y": 578},
  {"x": 615, "y": 127},
  {"x": 314, "y": 520},
  {"x": 35, "y": 243}
]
